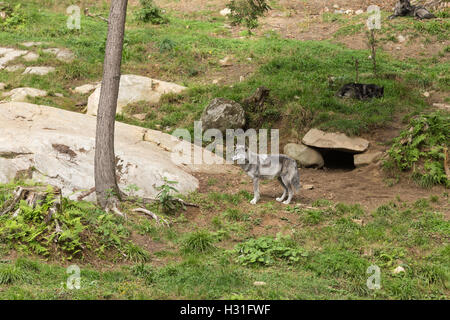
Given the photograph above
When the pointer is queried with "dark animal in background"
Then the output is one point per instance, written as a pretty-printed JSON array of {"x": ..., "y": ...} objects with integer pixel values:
[
  {"x": 405, "y": 8},
  {"x": 361, "y": 91}
]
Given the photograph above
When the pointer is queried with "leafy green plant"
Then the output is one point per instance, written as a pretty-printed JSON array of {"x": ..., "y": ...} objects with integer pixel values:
[
  {"x": 420, "y": 148},
  {"x": 267, "y": 250},
  {"x": 149, "y": 12},
  {"x": 247, "y": 12},
  {"x": 166, "y": 200},
  {"x": 14, "y": 17}
]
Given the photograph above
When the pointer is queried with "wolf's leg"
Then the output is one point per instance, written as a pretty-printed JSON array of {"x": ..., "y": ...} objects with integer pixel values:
[
  {"x": 285, "y": 190},
  {"x": 255, "y": 191},
  {"x": 290, "y": 189}
]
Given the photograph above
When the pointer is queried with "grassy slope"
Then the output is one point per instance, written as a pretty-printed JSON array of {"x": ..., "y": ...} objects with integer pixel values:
[
  {"x": 334, "y": 245},
  {"x": 339, "y": 248}
]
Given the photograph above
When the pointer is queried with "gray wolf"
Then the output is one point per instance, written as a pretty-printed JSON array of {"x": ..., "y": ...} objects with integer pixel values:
[
  {"x": 404, "y": 8},
  {"x": 361, "y": 91},
  {"x": 263, "y": 166}
]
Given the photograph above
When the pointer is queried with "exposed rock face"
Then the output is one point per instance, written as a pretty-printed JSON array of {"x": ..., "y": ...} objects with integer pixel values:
[
  {"x": 64, "y": 55},
  {"x": 133, "y": 89},
  {"x": 21, "y": 94},
  {"x": 335, "y": 141},
  {"x": 9, "y": 54},
  {"x": 223, "y": 114},
  {"x": 15, "y": 67},
  {"x": 41, "y": 71},
  {"x": 31, "y": 56},
  {"x": 57, "y": 146},
  {"x": 305, "y": 156},
  {"x": 85, "y": 89},
  {"x": 364, "y": 159}
]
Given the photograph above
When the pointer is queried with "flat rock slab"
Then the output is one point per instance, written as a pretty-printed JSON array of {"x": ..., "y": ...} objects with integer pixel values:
[
  {"x": 57, "y": 146},
  {"x": 9, "y": 54},
  {"x": 64, "y": 55},
  {"x": 32, "y": 44},
  {"x": 135, "y": 88},
  {"x": 334, "y": 141},
  {"x": 21, "y": 94},
  {"x": 15, "y": 67},
  {"x": 31, "y": 56},
  {"x": 85, "y": 89},
  {"x": 41, "y": 71}
]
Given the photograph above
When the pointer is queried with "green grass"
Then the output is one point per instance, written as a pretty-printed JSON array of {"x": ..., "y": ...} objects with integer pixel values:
[
  {"x": 311, "y": 263},
  {"x": 296, "y": 72}
]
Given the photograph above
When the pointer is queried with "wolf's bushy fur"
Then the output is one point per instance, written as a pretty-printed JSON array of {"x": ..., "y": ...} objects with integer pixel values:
[
  {"x": 262, "y": 166},
  {"x": 405, "y": 8},
  {"x": 360, "y": 91}
]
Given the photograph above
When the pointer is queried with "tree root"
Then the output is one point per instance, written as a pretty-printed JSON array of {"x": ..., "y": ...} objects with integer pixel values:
[{"x": 159, "y": 220}]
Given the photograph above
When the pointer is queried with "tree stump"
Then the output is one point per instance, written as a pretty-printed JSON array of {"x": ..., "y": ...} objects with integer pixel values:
[
  {"x": 256, "y": 101},
  {"x": 34, "y": 196}
]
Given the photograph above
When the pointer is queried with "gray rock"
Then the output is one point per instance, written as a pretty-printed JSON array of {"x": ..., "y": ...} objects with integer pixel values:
[
  {"x": 41, "y": 71},
  {"x": 335, "y": 141},
  {"x": 2, "y": 86},
  {"x": 21, "y": 94},
  {"x": 64, "y": 55},
  {"x": 31, "y": 56},
  {"x": 85, "y": 89},
  {"x": 364, "y": 159},
  {"x": 9, "y": 54},
  {"x": 15, "y": 67},
  {"x": 305, "y": 156},
  {"x": 223, "y": 114}
]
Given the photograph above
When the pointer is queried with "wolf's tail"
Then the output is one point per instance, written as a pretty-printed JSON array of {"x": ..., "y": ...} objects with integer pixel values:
[{"x": 296, "y": 178}]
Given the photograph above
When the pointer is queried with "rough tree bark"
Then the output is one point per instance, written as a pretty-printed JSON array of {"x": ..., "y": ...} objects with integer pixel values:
[{"x": 107, "y": 190}]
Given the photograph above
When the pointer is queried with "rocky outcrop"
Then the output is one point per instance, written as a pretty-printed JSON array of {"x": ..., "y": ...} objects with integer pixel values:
[
  {"x": 57, "y": 146},
  {"x": 364, "y": 159},
  {"x": 64, "y": 55},
  {"x": 223, "y": 114},
  {"x": 305, "y": 156},
  {"x": 135, "y": 88},
  {"x": 334, "y": 141},
  {"x": 41, "y": 71},
  {"x": 21, "y": 94}
]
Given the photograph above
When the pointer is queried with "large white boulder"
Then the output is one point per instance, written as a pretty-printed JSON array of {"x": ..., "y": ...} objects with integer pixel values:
[
  {"x": 135, "y": 88},
  {"x": 57, "y": 146}
]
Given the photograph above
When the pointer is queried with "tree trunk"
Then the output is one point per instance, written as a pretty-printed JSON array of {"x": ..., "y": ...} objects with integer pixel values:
[{"x": 106, "y": 187}]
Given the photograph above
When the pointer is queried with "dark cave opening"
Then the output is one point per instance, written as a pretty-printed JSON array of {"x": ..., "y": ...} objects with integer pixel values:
[{"x": 335, "y": 159}]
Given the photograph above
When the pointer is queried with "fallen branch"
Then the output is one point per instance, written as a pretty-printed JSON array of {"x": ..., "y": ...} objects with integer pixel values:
[
  {"x": 85, "y": 194},
  {"x": 87, "y": 13},
  {"x": 153, "y": 215}
]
